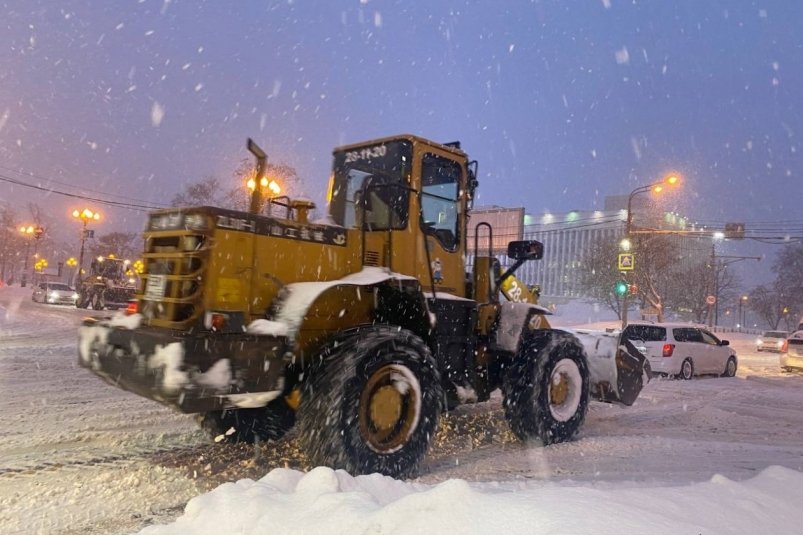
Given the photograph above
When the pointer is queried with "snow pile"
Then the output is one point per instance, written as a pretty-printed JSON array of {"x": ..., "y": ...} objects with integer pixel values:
[
  {"x": 333, "y": 502},
  {"x": 301, "y": 295},
  {"x": 267, "y": 328}
]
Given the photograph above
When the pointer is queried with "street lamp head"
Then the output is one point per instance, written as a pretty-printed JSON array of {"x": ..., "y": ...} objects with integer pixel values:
[
  {"x": 86, "y": 215},
  {"x": 273, "y": 186},
  {"x": 658, "y": 188},
  {"x": 672, "y": 179}
]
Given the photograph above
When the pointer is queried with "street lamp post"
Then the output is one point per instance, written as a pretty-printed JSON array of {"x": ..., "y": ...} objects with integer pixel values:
[
  {"x": 742, "y": 301},
  {"x": 71, "y": 263},
  {"x": 35, "y": 233},
  {"x": 656, "y": 187},
  {"x": 260, "y": 182},
  {"x": 85, "y": 216}
]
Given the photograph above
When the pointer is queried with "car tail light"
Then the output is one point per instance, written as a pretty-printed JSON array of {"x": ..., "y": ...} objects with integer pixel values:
[
  {"x": 215, "y": 321},
  {"x": 785, "y": 346},
  {"x": 668, "y": 350},
  {"x": 132, "y": 308}
]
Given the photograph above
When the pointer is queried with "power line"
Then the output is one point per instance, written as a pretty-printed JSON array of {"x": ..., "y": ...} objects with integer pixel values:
[
  {"x": 117, "y": 204},
  {"x": 54, "y": 181}
]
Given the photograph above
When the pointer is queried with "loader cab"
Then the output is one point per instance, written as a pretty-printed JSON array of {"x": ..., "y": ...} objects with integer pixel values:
[{"x": 408, "y": 198}]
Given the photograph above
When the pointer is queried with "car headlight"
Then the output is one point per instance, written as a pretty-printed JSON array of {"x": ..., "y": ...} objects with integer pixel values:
[
  {"x": 75, "y": 296},
  {"x": 53, "y": 295}
]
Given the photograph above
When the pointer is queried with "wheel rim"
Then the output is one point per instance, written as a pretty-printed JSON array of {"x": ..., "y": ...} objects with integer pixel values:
[
  {"x": 687, "y": 369},
  {"x": 731, "y": 367},
  {"x": 390, "y": 405},
  {"x": 565, "y": 387}
]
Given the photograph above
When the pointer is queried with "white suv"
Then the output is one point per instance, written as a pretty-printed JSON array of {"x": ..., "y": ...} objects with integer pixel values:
[{"x": 683, "y": 350}]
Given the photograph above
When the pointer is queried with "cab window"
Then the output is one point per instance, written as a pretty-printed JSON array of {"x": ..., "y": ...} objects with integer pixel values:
[
  {"x": 440, "y": 187},
  {"x": 370, "y": 186}
]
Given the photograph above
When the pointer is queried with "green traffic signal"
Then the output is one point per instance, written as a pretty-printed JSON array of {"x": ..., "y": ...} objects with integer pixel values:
[{"x": 620, "y": 288}]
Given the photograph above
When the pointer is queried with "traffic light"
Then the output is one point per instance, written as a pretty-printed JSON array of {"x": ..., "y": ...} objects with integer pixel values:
[
  {"x": 633, "y": 289},
  {"x": 620, "y": 288}
]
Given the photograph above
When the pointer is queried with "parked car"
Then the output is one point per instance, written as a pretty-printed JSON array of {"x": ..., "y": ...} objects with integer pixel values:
[
  {"x": 792, "y": 358},
  {"x": 56, "y": 293},
  {"x": 772, "y": 341},
  {"x": 682, "y": 350}
]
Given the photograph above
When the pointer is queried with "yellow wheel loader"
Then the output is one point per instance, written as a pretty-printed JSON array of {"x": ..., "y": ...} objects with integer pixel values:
[{"x": 360, "y": 329}]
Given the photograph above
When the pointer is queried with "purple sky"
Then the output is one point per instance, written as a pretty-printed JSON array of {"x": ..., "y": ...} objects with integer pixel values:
[{"x": 562, "y": 102}]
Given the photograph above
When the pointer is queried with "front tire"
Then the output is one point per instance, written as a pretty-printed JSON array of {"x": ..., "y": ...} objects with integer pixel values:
[
  {"x": 730, "y": 367},
  {"x": 546, "y": 388},
  {"x": 372, "y": 403}
]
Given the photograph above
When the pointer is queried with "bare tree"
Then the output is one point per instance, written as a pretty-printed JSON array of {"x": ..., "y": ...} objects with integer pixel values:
[
  {"x": 10, "y": 243},
  {"x": 655, "y": 257},
  {"x": 121, "y": 244},
  {"x": 205, "y": 192},
  {"x": 600, "y": 274},
  {"x": 235, "y": 194},
  {"x": 788, "y": 269},
  {"x": 285, "y": 177},
  {"x": 689, "y": 287},
  {"x": 769, "y": 304}
]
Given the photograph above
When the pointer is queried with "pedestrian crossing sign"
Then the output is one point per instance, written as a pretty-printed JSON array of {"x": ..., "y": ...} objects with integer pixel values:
[{"x": 626, "y": 261}]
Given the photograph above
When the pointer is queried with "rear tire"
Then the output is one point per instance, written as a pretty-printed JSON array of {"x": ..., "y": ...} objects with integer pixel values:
[
  {"x": 730, "y": 367},
  {"x": 546, "y": 388},
  {"x": 686, "y": 370},
  {"x": 264, "y": 424},
  {"x": 372, "y": 403}
]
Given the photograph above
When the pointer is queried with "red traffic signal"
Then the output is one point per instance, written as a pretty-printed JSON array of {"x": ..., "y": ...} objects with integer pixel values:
[{"x": 632, "y": 289}]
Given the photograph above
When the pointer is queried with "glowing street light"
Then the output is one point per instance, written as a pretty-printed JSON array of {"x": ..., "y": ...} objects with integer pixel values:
[
  {"x": 86, "y": 215},
  {"x": 671, "y": 179},
  {"x": 265, "y": 183}
]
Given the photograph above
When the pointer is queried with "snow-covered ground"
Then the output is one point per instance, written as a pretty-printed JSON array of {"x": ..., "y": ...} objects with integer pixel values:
[{"x": 712, "y": 455}]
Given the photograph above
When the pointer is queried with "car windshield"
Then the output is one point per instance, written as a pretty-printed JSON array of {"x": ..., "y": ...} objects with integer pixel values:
[
  {"x": 775, "y": 334},
  {"x": 371, "y": 180},
  {"x": 60, "y": 287}
]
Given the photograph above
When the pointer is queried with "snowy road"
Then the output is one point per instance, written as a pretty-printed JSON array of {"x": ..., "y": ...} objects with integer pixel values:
[{"x": 79, "y": 456}]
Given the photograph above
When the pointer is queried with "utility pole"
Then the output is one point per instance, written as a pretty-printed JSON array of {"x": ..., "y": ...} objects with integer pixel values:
[{"x": 719, "y": 263}]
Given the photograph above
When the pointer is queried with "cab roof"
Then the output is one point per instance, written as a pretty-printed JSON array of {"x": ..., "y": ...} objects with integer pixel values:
[{"x": 408, "y": 137}]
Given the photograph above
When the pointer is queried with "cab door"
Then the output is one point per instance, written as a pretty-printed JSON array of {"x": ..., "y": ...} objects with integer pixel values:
[{"x": 440, "y": 251}]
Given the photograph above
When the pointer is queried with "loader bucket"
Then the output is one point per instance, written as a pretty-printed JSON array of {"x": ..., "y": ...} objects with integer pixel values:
[{"x": 617, "y": 369}]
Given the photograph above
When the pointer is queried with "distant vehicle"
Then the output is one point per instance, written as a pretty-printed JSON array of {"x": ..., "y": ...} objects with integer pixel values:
[
  {"x": 682, "y": 350},
  {"x": 109, "y": 284},
  {"x": 792, "y": 358},
  {"x": 772, "y": 341},
  {"x": 54, "y": 293}
]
